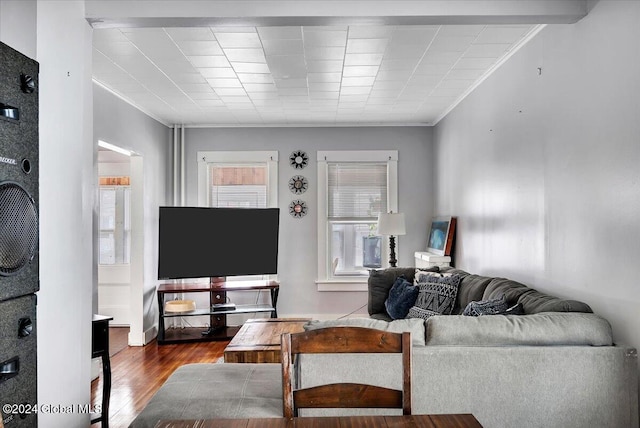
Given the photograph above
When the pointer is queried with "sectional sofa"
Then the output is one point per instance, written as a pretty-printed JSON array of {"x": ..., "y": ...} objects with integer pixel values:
[{"x": 554, "y": 366}]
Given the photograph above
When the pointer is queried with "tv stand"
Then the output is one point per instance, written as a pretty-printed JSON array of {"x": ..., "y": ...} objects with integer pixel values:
[
  {"x": 218, "y": 328},
  {"x": 211, "y": 331}
]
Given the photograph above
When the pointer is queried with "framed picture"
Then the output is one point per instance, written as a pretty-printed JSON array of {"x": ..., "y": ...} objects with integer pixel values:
[{"x": 441, "y": 235}]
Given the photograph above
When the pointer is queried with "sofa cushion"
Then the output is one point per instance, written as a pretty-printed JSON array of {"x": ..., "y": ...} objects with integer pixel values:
[
  {"x": 401, "y": 298},
  {"x": 541, "y": 329},
  {"x": 471, "y": 288},
  {"x": 486, "y": 307},
  {"x": 497, "y": 287},
  {"x": 379, "y": 284},
  {"x": 436, "y": 296},
  {"x": 414, "y": 326},
  {"x": 532, "y": 300}
]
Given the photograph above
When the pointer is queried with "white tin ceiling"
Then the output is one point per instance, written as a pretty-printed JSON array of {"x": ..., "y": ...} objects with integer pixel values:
[{"x": 300, "y": 76}]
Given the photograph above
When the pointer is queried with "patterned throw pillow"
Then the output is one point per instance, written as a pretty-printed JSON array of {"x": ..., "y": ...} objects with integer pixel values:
[
  {"x": 487, "y": 307},
  {"x": 497, "y": 306},
  {"x": 401, "y": 298},
  {"x": 421, "y": 273},
  {"x": 437, "y": 296}
]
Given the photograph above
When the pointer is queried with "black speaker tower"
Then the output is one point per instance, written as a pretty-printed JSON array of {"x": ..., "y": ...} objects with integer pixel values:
[{"x": 19, "y": 274}]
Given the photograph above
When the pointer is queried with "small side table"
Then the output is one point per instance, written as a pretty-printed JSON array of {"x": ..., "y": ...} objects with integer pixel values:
[
  {"x": 424, "y": 259},
  {"x": 100, "y": 348}
]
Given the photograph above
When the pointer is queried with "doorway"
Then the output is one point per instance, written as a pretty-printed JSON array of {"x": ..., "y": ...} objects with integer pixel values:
[
  {"x": 114, "y": 235},
  {"x": 120, "y": 237}
]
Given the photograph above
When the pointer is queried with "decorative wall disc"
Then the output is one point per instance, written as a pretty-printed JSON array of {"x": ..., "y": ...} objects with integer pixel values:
[
  {"x": 298, "y": 208},
  {"x": 298, "y": 159},
  {"x": 298, "y": 184}
]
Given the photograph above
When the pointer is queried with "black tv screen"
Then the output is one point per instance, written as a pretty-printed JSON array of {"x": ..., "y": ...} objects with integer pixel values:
[{"x": 213, "y": 242}]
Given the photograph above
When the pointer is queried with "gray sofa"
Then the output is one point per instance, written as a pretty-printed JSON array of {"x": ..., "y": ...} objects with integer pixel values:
[{"x": 555, "y": 366}]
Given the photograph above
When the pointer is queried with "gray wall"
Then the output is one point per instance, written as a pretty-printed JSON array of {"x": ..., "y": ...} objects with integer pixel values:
[
  {"x": 18, "y": 25},
  {"x": 298, "y": 237},
  {"x": 542, "y": 170},
  {"x": 118, "y": 123}
]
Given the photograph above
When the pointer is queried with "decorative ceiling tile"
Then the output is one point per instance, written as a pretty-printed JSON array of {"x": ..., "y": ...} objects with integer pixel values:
[
  {"x": 238, "y": 40},
  {"x": 292, "y": 75},
  {"x": 202, "y": 61}
]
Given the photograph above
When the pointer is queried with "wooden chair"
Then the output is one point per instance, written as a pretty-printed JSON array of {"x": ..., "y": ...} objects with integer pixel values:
[{"x": 334, "y": 340}]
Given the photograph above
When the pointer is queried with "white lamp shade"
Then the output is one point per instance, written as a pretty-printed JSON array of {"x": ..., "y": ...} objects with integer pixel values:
[{"x": 391, "y": 224}]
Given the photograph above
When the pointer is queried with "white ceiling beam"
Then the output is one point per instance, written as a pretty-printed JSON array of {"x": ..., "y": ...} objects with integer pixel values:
[{"x": 188, "y": 13}]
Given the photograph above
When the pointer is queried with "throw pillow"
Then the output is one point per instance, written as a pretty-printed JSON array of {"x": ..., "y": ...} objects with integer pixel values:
[
  {"x": 421, "y": 275},
  {"x": 436, "y": 296},
  {"x": 487, "y": 307},
  {"x": 516, "y": 309},
  {"x": 401, "y": 298}
]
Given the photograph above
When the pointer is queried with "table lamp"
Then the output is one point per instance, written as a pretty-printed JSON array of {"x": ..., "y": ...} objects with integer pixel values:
[{"x": 391, "y": 224}]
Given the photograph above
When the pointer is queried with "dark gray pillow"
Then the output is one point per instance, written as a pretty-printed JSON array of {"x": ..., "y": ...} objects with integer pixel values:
[
  {"x": 379, "y": 284},
  {"x": 437, "y": 296},
  {"x": 401, "y": 298},
  {"x": 487, "y": 307}
]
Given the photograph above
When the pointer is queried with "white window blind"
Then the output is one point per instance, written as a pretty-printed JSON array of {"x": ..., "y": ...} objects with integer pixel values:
[
  {"x": 356, "y": 190},
  {"x": 354, "y": 186}
]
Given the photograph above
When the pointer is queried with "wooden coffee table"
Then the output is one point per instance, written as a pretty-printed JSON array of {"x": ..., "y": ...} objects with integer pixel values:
[{"x": 258, "y": 340}]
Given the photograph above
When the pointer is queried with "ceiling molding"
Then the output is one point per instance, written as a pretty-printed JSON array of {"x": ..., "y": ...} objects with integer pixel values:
[
  {"x": 193, "y": 13},
  {"x": 131, "y": 103},
  {"x": 489, "y": 72},
  {"x": 312, "y": 125}
]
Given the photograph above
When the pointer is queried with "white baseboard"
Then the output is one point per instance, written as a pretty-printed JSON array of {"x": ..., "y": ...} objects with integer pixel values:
[
  {"x": 142, "y": 338},
  {"x": 150, "y": 334}
]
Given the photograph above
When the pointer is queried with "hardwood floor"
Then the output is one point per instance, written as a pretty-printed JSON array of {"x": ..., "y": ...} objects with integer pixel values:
[{"x": 138, "y": 372}]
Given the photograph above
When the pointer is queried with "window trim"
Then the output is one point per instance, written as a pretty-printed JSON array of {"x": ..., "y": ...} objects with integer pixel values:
[
  {"x": 207, "y": 157},
  {"x": 325, "y": 281}
]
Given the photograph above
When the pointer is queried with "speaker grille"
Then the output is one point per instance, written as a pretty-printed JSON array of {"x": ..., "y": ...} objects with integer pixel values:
[{"x": 18, "y": 228}]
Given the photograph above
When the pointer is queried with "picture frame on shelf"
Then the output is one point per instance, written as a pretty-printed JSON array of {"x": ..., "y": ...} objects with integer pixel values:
[{"x": 441, "y": 232}]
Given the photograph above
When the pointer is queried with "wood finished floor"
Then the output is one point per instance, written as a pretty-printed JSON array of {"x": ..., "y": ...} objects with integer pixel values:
[{"x": 137, "y": 372}]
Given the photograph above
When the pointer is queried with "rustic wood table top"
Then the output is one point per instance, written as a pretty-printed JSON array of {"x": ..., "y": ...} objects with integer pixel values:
[
  {"x": 413, "y": 421},
  {"x": 258, "y": 340}
]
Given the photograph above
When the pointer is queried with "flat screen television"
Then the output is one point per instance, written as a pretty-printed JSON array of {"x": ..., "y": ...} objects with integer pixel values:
[{"x": 217, "y": 242}]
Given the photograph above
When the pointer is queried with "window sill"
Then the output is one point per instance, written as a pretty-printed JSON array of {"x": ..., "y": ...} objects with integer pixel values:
[{"x": 359, "y": 284}]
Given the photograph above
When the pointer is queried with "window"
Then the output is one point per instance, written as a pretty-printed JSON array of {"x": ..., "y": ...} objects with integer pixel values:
[
  {"x": 357, "y": 193},
  {"x": 238, "y": 186},
  {"x": 353, "y": 188},
  {"x": 237, "y": 179},
  {"x": 115, "y": 225}
]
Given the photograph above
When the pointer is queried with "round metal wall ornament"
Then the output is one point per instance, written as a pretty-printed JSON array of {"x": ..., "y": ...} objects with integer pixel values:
[
  {"x": 298, "y": 159},
  {"x": 298, "y": 184},
  {"x": 298, "y": 208}
]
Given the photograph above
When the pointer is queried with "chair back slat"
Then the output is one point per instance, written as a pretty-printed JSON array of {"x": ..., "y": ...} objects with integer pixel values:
[
  {"x": 346, "y": 339},
  {"x": 348, "y": 395}
]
